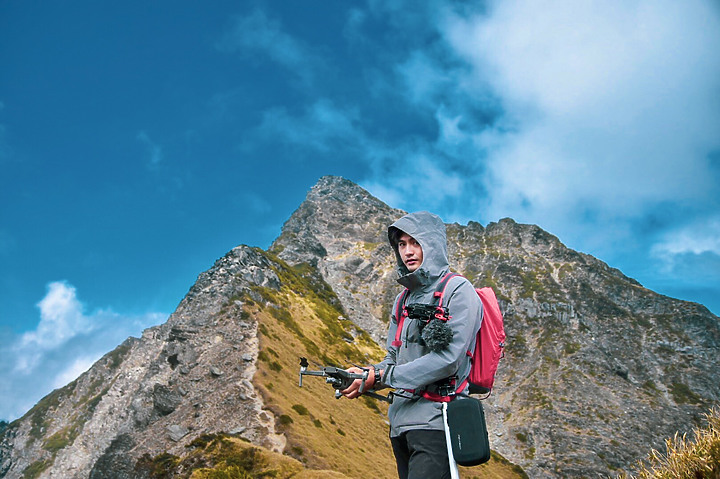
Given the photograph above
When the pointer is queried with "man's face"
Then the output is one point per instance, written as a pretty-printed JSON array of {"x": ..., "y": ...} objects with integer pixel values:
[{"x": 410, "y": 252}]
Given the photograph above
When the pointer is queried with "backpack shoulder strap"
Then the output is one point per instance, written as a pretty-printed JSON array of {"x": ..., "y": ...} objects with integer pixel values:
[
  {"x": 400, "y": 315},
  {"x": 440, "y": 296},
  {"x": 440, "y": 291}
]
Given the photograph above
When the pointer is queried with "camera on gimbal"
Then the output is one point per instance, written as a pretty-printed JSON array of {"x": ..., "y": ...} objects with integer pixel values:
[{"x": 426, "y": 313}]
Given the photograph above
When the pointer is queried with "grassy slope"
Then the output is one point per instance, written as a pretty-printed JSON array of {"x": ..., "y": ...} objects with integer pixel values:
[
  {"x": 325, "y": 433},
  {"x": 326, "y": 438}
]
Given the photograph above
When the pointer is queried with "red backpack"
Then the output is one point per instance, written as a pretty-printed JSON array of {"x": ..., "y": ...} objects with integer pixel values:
[{"x": 489, "y": 343}]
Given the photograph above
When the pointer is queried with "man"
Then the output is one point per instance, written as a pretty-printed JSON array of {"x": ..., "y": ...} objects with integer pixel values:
[{"x": 410, "y": 366}]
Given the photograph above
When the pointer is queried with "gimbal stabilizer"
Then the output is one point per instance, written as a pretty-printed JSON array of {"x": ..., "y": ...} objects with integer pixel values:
[{"x": 340, "y": 379}]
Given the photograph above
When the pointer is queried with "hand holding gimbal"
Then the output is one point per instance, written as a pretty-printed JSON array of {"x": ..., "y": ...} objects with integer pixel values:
[{"x": 340, "y": 379}]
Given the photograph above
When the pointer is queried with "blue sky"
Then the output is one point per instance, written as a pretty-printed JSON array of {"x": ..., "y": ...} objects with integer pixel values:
[{"x": 140, "y": 141}]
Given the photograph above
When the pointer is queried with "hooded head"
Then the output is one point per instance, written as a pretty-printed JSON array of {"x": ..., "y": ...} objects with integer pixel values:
[{"x": 429, "y": 231}]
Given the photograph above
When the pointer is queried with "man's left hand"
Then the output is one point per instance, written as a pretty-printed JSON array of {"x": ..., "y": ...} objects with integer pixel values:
[{"x": 354, "y": 390}]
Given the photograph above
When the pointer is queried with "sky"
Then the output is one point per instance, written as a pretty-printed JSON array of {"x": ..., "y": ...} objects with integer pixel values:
[{"x": 140, "y": 141}]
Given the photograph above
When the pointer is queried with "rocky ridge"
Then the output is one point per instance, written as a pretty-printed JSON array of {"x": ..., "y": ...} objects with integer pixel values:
[
  {"x": 191, "y": 375},
  {"x": 598, "y": 369},
  {"x": 341, "y": 230}
]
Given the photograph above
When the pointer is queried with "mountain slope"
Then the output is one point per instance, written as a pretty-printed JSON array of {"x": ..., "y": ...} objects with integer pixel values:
[
  {"x": 223, "y": 368},
  {"x": 598, "y": 369}
]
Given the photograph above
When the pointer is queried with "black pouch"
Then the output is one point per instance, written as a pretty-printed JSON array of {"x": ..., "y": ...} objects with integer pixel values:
[{"x": 468, "y": 431}]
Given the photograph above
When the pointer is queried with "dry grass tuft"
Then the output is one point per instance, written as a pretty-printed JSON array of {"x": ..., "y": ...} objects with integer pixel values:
[{"x": 698, "y": 458}]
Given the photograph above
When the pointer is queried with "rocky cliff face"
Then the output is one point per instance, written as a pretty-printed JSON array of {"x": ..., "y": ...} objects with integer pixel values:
[
  {"x": 341, "y": 230},
  {"x": 597, "y": 370},
  {"x": 151, "y": 395}
]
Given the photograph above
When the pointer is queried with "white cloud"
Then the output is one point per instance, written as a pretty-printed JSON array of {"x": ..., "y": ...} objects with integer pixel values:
[
  {"x": 418, "y": 182},
  {"x": 355, "y": 20},
  {"x": 689, "y": 256},
  {"x": 423, "y": 79},
  {"x": 697, "y": 238},
  {"x": 609, "y": 106},
  {"x": 61, "y": 318},
  {"x": 65, "y": 343},
  {"x": 319, "y": 127},
  {"x": 155, "y": 151},
  {"x": 261, "y": 34},
  {"x": 75, "y": 369}
]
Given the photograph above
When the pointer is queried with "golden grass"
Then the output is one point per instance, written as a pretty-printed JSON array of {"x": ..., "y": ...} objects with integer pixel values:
[
  {"x": 324, "y": 433},
  {"x": 233, "y": 458},
  {"x": 696, "y": 458}
]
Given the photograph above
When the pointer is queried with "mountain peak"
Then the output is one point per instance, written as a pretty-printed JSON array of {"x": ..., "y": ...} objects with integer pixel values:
[
  {"x": 335, "y": 189},
  {"x": 334, "y": 209},
  {"x": 598, "y": 369}
]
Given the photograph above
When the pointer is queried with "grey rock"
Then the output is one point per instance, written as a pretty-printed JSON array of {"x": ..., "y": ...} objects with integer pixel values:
[
  {"x": 177, "y": 432},
  {"x": 165, "y": 400}
]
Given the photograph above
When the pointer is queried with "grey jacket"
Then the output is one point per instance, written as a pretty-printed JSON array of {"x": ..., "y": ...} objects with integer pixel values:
[{"x": 412, "y": 365}]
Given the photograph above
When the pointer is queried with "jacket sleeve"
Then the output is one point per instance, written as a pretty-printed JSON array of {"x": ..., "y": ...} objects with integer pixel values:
[{"x": 465, "y": 311}]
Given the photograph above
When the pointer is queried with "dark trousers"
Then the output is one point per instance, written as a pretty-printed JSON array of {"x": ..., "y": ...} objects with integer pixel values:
[{"x": 421, "y": 454}]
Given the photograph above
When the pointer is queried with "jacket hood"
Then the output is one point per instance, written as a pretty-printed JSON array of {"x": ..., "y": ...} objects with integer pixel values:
[{"x": 429, "y": 231}]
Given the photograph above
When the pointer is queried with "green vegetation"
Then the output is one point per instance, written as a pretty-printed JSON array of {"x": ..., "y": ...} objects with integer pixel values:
[
  {"x": 565, "y": 270},
  {"x": 682, "y": 394},
  {"x": 370, "y": 246},
  {"x": 60, "y": 439},
  {"x": 650, "y": 387},
  {"x": 571, "y": 348},
  {"x": 530, "y": 284},
  {"x": 39, "y": 415},
  {"x": 161, "y": 466},
  {"x": 530, "y": 453},
  {"x": 371, "y": 403},
  {"x": 284, "y": 317},
  {"x": 537, "y": 397},
  {"x": 268, "y": 295},
  {"x": 220, "y": 456},
  {"x": 284, "y": 420},
  {"x": 35, "y": 469},
  {"x": 300, "y": 409},
  {"x": 489, "y": 281},
  {"x": 118, "y": 355},
  {"x": 514, "y": 469},
  {"x": 698, "y": 457},
  {"x": 202, "y": 441}
]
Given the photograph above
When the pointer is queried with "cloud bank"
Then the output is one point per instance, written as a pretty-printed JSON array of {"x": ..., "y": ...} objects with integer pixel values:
[
  {"x": 597, "y": 121},
  {"x": 608, "y": 132},
  {"x": 610, "y": 106},
  {"x": 65, "y": 343}
]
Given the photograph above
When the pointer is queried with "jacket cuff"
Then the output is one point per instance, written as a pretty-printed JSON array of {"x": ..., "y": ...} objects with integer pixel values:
[{"x": 386, "y": 375}]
